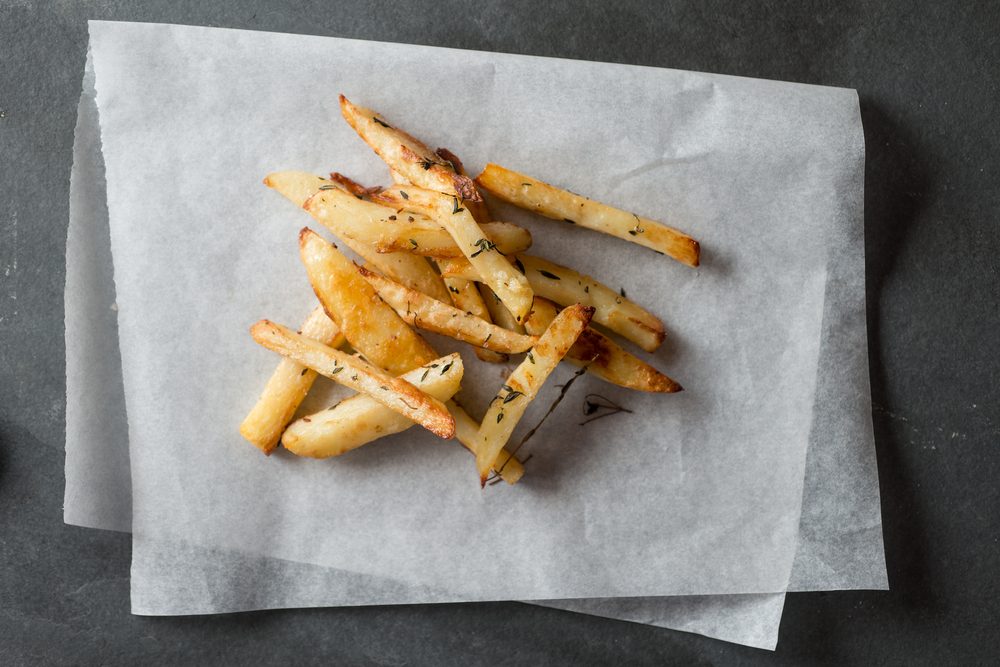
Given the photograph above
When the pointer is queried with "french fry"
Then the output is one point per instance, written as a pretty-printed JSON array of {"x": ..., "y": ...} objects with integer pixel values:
[
  {"x": 523, "y": 385},
  {"x": 348, "y": 214},
  {"x": 466, "y": 431},
  {"x": 420, "y": 310},
  {"x": 360, "y": 419},
  {"x": 558, "y": 204},
  {"x": 287, "y": 387},
  {"x": 407, "y": 156},
  {"x": 369, "y": 324},
  {"x": 411, "y": 270},
  {"x": 398, "y": 395},
  {"x": 566, "y": 287},
  {"x": 498, "y": 311},
  {"x": 431, "y": 240},
  {"x": 495, "y": 270},
  {"x": 465, "y": 295},
  {"x": 353, "y": 304},
  {"x": 352, "y": 186},
  {"x": 601, "y": 356}
]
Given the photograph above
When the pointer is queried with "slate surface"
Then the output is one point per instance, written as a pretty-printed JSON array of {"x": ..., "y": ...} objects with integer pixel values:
[{"x": 927, "y": 74}]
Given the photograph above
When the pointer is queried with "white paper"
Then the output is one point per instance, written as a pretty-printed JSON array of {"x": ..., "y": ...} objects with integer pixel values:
[
  {"x": 173, "y": 579},
  {"x": 699, "y": 494}
]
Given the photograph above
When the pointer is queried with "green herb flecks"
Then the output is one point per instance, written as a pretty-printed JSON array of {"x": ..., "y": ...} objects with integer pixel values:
[{"x": 484, "y": 245}]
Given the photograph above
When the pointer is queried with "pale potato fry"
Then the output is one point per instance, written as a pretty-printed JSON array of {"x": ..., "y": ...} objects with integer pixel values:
[
  {"x": 411, "y": 270},
  {"x": 431, "y": 240},
  {"x": 558, "y": 204},
  {"x": 407, "y": 156},
  {"x": 363, "y": 317},
  {"x": 498, "y": 311},
  {"x": 352, "y": 186},
  {"x": 360, "y": 419},
  {"x": 287, "y": 387},
  {"x": 348, "y": 214},
  {"x": 375, "y": 330},
  {"x": 467, "y": 429},
  {"x": 495, "y": 270},
  {"x": 566, "y": 287},
  {"x": 398, "y": 395},
  {"x": 523, "y": 384},
  {"x": 465, "y": 295},
  {"x": 422, "y": 311},
  {"x": 601, "y": 356}
]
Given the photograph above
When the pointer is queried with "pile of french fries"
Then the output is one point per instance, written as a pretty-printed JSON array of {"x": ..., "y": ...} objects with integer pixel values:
[{"x": 435, "y": 260}]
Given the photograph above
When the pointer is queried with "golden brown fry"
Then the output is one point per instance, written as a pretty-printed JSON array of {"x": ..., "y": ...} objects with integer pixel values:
[
  {"x": 552, "y": 202},
  {"x": 411, "y": 270},
  {"x": 398, "y": 395},
  {"x": 422, "y": 311},
  {"x": 374, "y": 333},
  {"x": 287, "y": 387},
  {"x": 498, "y": 311},
  {"x": 466, "y": 298},
  {"x": 360, "y": 419},
  {"x": 352, "y": 186},
  {"x": 522, "y": 386},
  {"x": 353, "y": 304},
  {"x": 566, "y": 286},
  {"x": 494, "y": 269},
  {"x": 506, "y": 465},
  {"x": 431, "y": 240},
  {"x": 404, "y": 154},
  {"x": 464, "y": 293},
  {"x": 601, "y": 356}
]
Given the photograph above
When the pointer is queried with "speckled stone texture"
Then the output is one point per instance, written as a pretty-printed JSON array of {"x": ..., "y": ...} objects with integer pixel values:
[{"x": 927, "y": 74}]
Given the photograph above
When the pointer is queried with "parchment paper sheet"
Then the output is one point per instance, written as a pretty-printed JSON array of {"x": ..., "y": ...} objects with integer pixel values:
[
  {"x": 174, "y": 579},
  {"x": 864, "y": 383},
  {"x": 700, "y": 493}
]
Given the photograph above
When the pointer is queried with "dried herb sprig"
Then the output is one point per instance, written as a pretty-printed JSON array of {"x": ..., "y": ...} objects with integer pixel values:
[
  {"x": 562, "y": 394},
  {"x": 594, "y": 403},
  {"x": 484, "y": 245}
]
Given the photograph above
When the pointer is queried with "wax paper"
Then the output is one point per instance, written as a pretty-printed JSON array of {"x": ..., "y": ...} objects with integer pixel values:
[
  {"x": 171, "y": 579},
  {"x": 698, "y": 493}
]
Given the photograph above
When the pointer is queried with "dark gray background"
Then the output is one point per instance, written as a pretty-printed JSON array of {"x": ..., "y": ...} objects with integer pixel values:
[{"x": 927, "y": 75}]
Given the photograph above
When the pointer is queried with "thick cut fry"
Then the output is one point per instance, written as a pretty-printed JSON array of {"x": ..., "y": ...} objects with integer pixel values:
[
  {"x": 287, "y": 387},
  {"x": 522, "y": 386},
  {"x": 431, "y": 240},
  {"x": 601, "y": 356},
  {"x": 374, "y": 332},
  {"x": 493, "y": 268},
  {"x": 396, "y": 394},
  {"x": 407, "y": 156},
  {"x": 353, "y": 304},
  {"x": 360, "y": 419},
  {"x": 566, "y": 287},
  {"x": 465, "y": 295},
  {"x": 466, "y": 431},
  {"x": 411, "y": 270},
  {"x": 498, "y": 311},
  {"x": 422, "y": 311},
  {"x": 552, "y": 202}
]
